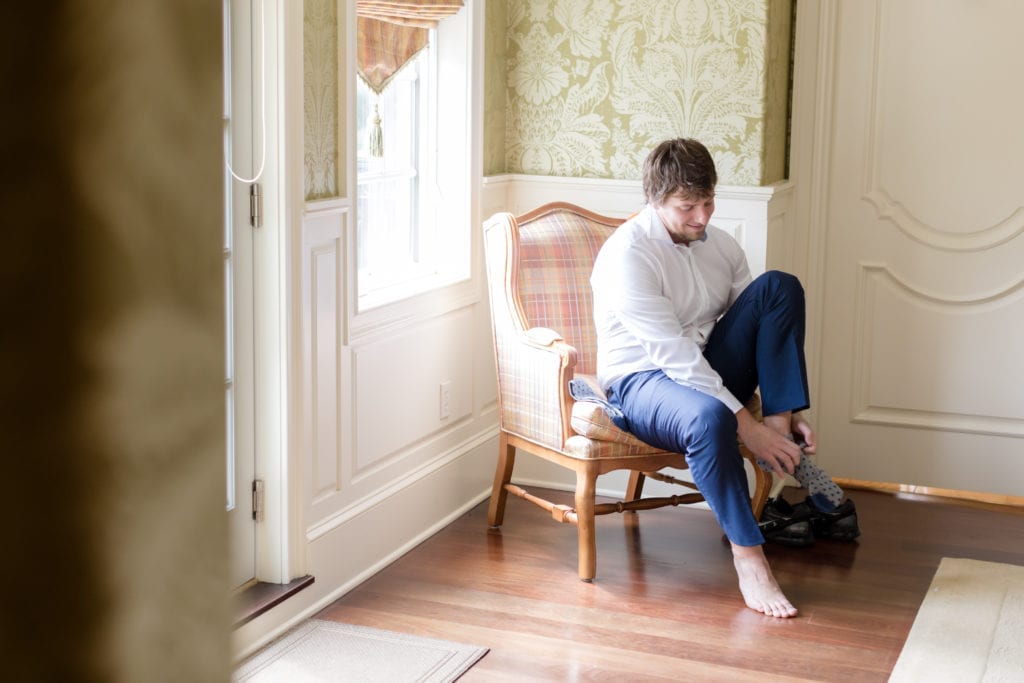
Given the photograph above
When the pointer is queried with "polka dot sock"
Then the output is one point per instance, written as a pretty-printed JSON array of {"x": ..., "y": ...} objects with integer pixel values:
[{"x": 824, "y": 492}]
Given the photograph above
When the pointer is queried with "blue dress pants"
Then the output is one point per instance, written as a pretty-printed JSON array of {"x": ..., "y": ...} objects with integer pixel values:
[{"x": 758, "y": 342}]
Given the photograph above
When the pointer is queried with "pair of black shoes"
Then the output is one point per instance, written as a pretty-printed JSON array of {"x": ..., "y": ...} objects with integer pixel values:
[{"x": 798, "y": 525}]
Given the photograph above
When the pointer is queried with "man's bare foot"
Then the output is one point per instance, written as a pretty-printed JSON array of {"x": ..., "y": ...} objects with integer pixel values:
[{"x": 757, "y": 584}]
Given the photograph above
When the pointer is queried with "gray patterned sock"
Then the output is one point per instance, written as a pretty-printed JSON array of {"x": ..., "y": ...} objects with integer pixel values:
[{"x": 825, "y": 493}]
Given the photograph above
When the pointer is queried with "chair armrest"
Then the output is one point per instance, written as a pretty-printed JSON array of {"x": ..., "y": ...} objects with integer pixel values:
[
  {"x": 542, "y": 336},
  {"x": 534, "y": 369}
]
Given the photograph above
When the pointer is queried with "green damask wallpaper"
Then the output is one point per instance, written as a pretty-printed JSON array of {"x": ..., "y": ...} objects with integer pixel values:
[
  {"x": 320, "y": 99},
  {"x": 584, "y": 88},
  {"x": 495, "y": 65},
  {"x": 592, "y": 85}
]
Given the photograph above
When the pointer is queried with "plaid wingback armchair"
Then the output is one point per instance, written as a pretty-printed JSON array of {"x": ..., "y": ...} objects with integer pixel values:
[{"x": 538, "y": 268}]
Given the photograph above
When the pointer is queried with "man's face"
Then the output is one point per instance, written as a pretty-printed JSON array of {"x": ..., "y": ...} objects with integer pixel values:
[{"x": 685, "y": 217}]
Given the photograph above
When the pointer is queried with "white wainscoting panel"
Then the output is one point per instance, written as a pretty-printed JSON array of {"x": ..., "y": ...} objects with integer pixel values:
[
  {"x": 371, "y": 417},
  {"x": 398, "y": 382},
  {"x": 322, "y": 320}
]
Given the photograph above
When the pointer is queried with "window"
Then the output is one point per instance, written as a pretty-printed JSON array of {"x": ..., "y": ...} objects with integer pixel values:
[
  {"x": 412, "y": 228},
  {"x": 389, "y": 220}
]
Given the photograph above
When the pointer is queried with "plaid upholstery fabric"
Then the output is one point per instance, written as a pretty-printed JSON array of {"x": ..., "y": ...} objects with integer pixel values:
[
  {"x": 582, "y": 447},
  {"x": 557, "y": 255},
  {"x": 591, "y": 420},
  {"x": 530, "y": 397},
  {"x": 528, "y": 371}
]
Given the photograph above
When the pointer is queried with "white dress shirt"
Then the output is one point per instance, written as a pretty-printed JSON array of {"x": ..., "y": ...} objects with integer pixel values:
[{"x": 656, "y": 302}]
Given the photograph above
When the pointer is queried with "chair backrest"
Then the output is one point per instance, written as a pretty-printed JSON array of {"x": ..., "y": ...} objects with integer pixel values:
[
  {"x": 557, "y": 246},
  {"x": 538, "y": 276}
]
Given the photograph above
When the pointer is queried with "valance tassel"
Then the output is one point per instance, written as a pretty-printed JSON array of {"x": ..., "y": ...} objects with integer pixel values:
[{"x": 376, "y": 135}]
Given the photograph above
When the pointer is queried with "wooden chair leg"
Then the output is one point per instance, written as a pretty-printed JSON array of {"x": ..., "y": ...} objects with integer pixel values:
[
  {"x": 586, "y": 489},
  {"x": 502, "y": 476},
  {"x": 762, "y": 484},
  {"x": 635, "y": 487}
]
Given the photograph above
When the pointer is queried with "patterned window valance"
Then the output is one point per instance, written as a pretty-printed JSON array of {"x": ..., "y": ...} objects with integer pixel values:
[{"x": 391, "y": 33}]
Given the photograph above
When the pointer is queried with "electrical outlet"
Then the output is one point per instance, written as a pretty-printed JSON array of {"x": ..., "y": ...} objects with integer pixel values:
[{"x": 446, "y": 399}]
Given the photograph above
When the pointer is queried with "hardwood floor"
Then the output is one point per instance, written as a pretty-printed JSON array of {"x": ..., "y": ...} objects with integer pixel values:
[{"x": 664, "y": 605}]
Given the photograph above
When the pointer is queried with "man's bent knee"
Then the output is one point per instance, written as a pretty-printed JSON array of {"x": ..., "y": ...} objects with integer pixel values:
[
  {"x": 782, "y": 281},
  {"x": 715, "y": 424}
]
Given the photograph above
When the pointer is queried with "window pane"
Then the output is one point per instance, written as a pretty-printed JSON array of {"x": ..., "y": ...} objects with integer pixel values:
[{"x": 387, "y": 197}]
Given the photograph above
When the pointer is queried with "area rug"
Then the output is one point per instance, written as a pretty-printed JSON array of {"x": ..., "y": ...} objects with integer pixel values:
[
  {"x": 970, "y": 626},
  {"x": 320, "y": 650}
]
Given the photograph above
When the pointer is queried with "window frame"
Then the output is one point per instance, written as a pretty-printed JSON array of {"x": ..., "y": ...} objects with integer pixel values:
[{"x": 445, "y": 193}]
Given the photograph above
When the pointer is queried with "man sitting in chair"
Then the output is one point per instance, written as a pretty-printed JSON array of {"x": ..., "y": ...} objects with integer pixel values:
[{"x": 684, "y": 340}]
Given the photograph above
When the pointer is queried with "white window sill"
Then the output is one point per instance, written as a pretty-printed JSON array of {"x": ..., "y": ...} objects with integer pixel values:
[{"x": 383, "y": 289}]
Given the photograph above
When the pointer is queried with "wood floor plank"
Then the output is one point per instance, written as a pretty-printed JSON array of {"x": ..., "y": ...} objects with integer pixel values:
[{"x": 665, "y": 606}]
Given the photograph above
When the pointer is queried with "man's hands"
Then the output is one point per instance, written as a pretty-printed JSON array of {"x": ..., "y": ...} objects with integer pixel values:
[
  {"x": 802, "y": 430},
  {"x": 781, "y": 454}
]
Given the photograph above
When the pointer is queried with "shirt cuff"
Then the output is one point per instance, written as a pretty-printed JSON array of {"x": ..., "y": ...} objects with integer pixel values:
[{"x": 731, "y": 402}]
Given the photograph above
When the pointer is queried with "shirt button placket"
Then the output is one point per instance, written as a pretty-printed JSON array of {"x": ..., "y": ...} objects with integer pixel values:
[{"x": 702, "y": 289}]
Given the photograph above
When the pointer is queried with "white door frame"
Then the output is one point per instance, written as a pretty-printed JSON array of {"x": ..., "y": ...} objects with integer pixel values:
[
  {"x": 811, "y": 125},
  {"x": 280, "y": 539},
  {"x": 242, "y": 148}
]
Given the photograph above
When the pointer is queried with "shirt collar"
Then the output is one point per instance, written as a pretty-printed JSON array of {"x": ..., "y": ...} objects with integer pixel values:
[{"x": 656, "y": 229}]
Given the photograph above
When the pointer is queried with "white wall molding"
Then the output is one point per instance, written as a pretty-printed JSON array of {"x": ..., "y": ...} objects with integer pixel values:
[
  {"x": 746, "y": 212},
  {"x": 519, "y": 193},
  {"x": 410, "y": 478}
]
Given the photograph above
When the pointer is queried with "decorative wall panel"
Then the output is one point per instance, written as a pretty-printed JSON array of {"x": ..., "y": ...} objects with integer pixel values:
[
  {"x": 320, "y": 98},
  {"x": 914, "y": 131},
  {"x": 593, "y": 85},
  {"x": 398, "y": 396},
  {"x": 898, "y": 382},
  {"x": 322, "y": 326}
]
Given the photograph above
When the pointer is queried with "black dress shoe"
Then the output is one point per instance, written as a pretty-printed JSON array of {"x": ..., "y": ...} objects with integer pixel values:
[
  {"x": 786, "y": 524},
  {"x": 839, "y": 524}
]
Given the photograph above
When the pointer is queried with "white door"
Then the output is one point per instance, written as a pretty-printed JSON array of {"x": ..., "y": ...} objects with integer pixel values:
[
  {"x": 921, "y": 361},
  {"x": 242, "y": 149}
]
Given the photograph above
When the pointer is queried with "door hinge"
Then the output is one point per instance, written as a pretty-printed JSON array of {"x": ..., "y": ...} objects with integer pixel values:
[
  {"x": 256, "y": 205},
  {"x": 257, "y": 500}
]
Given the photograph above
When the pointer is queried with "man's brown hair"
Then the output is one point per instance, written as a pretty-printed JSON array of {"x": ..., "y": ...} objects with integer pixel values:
[{"x": 682, "y": 164}]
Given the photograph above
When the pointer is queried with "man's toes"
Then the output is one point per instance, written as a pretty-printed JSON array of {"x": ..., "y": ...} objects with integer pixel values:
[{"x": 785, "y": 610}]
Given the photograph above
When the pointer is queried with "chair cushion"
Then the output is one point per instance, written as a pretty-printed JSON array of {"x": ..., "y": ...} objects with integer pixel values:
[
  {"x": 592, "y": 421},
  {"x": 592, "y": 449},
  {"x": 590, "y": 413}
]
